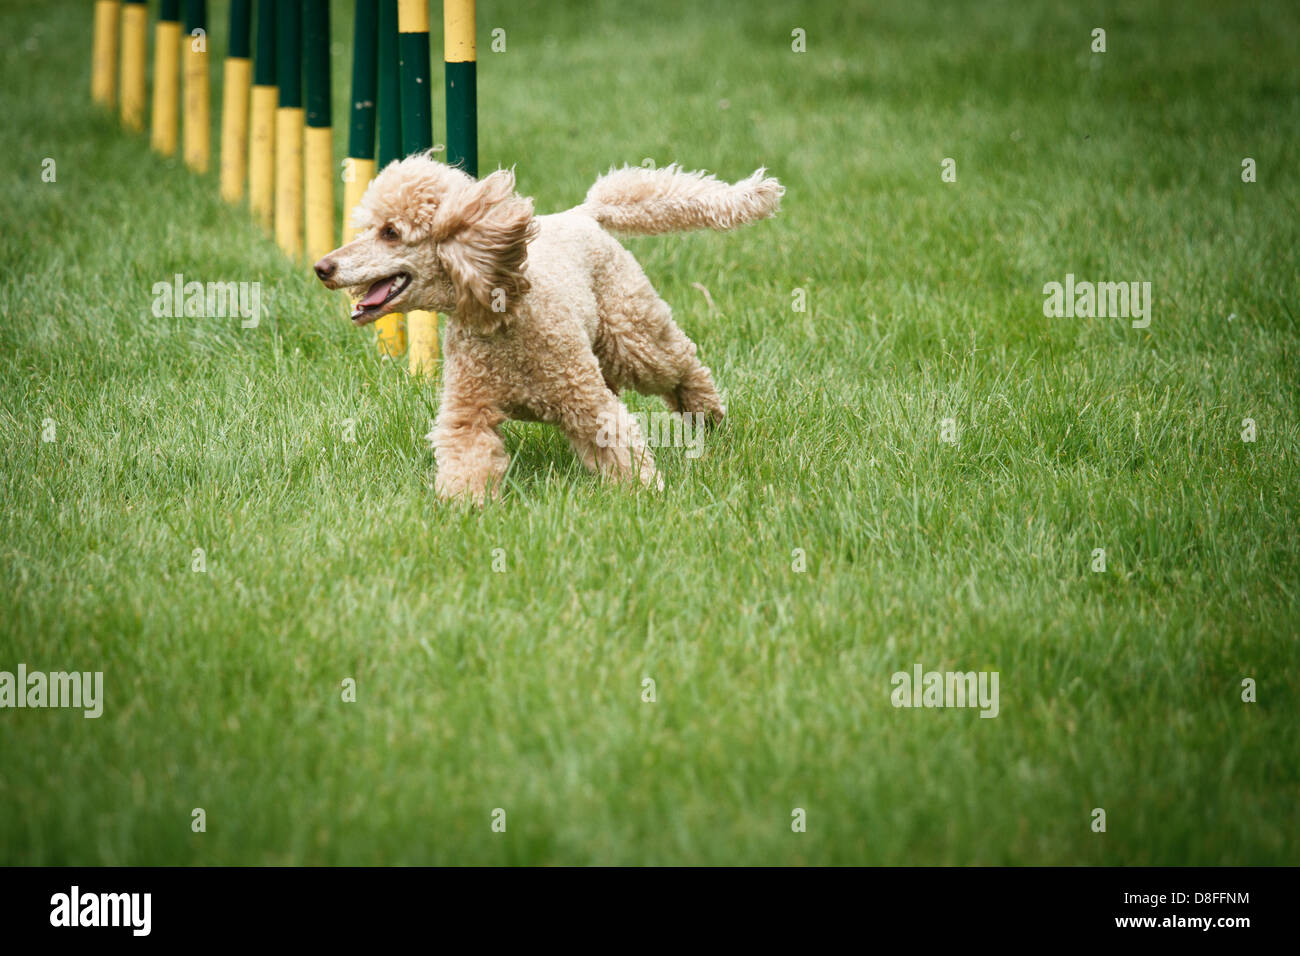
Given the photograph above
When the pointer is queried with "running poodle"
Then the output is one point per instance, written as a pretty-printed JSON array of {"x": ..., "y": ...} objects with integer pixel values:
[{"x": 549, "y": 317}]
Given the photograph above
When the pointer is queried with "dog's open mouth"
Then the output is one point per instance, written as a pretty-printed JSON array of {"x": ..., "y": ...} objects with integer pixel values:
[{"x": 371, "y": 306}]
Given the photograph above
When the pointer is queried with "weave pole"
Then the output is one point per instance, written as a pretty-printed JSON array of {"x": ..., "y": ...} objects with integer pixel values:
[
  {"x": 135, "y": 61},
  {"x": 289, "y": 120},
  {"x": 166, "y": 78},
  {"x": 103, "y": 63},
  {"x": 359, "y": 167},
  {"x": 318, "y": 146},
  {"x": 390, "y": 86},
  {"x": 390, "y": 330},
  {"x": 417, "y": 135},
  {"x": 460, "y": 54},
  {"x": 196, "y": 128},
  {"x": 261, "y": 131},
  {"x": 237, "y": 78}
]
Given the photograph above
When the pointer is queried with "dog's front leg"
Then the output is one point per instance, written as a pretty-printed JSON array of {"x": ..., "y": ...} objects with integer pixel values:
[{"x": 470, "y": 454}]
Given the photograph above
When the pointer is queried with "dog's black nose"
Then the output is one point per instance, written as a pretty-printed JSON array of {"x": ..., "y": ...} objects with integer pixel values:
[{"x": 325, "y": 268}]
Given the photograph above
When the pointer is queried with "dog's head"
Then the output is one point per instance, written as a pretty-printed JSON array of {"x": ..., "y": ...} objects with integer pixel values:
[{"x": 431, "y": 237}]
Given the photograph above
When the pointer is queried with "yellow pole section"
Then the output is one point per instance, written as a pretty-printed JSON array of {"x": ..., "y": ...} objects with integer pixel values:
[
  {"x": 422, "y": 341},
  {"x": 458, "y": 44},
  {"x": 357, "y": 174},
  {"x": 412, "y": 16},
  {"x": 390, "y": 335},
  {"x": 261, "y": 154},
  {"x": 103, "y": 64},
  {"x": 319, "y": 149},
  {"x": 289, "y": 122},
  {"x": 135, "y": 44},
  {"x": 197, "y": 125},
  {"x": 390, "y": 330},
  {"x": 238, "y": 78},
  {"x": 166, "y": 70}
]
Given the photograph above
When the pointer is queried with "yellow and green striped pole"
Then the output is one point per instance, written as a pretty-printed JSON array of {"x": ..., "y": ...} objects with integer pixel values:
[
  {"x": 135, "y": 59},
  {"x": 103, "y": 63},
  {"x": 196, "y": 130},
  {"x": 460, "y": 66},
  {"x": 319, "y": 143},
  {"x": 166, "y": 76},
  {"x": 237, "y": 79},
  {"x": 261, "y": 135},
  {"x": 289, "y": 120},
  {"x": 417, "y": 135},
  {"x": 390, "y": 331},
  {"x": 390, "y": 86},
  {"x": 359, "y": 167}
]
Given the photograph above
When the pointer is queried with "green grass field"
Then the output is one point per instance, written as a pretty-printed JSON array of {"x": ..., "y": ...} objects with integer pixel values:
[{"x": 521, "y": 689}]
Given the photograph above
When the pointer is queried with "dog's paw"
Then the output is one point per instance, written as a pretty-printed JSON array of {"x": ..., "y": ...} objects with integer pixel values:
[
  {"x": 477, "y": 493},
  {"x": 699, "y": 401},
  {"x": 650, "y": 477}
]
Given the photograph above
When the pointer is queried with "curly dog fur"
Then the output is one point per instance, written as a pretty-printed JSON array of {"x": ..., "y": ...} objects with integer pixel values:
[{"x": 549, "y": 317}]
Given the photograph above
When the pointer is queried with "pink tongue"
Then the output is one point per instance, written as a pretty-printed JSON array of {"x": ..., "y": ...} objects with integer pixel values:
[{"x": 378, "y": 293}]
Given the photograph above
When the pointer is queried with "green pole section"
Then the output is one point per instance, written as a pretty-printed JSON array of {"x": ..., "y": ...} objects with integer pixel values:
[
  {"x": 365, "y": 36},
  {"x": 196, "y": 15},
  {"x": 241, "y": 24},
  {"x": 264, "y": 62},
  {"x": 390, "y": 88},
  {"x": 288, "y": 53},
  {"x": 316, "y": 33},
  {"x": 170, "y": 10},
  {"x": 461, "y": 77},
  {"x": 417, "y": 97},
  {"x": 462, "y": 108}
]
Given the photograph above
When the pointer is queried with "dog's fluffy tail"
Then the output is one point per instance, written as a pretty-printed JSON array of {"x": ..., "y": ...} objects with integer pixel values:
[{"x": 651, "y": 201}]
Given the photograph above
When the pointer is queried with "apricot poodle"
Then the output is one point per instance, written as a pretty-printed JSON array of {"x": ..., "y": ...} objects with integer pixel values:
[{"x": 549, "y": 317}]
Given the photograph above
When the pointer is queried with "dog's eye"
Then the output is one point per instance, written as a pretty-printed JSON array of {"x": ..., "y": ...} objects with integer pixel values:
[{"x": 389, "y": 233}]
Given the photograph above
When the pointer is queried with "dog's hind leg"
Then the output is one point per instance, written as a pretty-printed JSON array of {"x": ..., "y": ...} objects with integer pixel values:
[
  {"x": 696, "y": 394},
  {"x": 607, "y": 439},
  {"x": 641, "y": 347}
]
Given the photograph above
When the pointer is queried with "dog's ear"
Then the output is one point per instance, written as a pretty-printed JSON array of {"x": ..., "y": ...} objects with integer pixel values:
[{"x": 483, "y": 231}]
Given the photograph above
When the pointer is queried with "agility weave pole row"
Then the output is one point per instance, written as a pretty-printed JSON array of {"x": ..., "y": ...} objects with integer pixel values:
[{"x": 276, "y": 131}]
